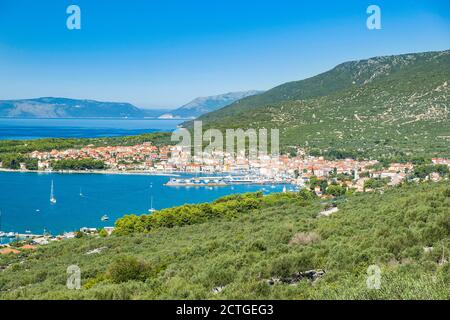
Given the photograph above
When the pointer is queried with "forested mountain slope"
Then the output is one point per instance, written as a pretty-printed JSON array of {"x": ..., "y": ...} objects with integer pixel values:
[{"x": 384, "y": 106}]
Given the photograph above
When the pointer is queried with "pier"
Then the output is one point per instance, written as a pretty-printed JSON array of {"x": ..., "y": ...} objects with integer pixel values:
[
  {"x": 197, "y": 182},
  {"x": 221, "y": 181}
]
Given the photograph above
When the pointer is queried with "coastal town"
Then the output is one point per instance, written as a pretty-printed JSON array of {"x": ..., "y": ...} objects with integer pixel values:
[
  {"x": 325, "y": 178},
  {"x": 298, "y": 170}
]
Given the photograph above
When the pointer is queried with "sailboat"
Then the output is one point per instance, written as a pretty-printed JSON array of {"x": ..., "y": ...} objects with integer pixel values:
[
  {"x": 151, "y": 210},
  {"x": 52, "y": 196}
]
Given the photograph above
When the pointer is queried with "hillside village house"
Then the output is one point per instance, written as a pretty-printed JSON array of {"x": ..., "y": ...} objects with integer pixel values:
[{"x": 441, "y": 161}]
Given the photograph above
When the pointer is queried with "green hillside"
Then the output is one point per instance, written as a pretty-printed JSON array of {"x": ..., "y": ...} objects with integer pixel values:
[
  {"x": 394, "y": 106},
  {"x": 404, "y": 231}
]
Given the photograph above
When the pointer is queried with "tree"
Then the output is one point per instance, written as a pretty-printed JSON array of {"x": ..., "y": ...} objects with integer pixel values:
[
  {"x": 335, "y": 190},
  {"x": 323, "y": 185},
  {"x": 375, "y": 183},
  {"x": 31, "y": 164},
  {"x": 74, "y": 164},
  {"x": 313, "y": 182},
  {"x": 442, "y": 170},
  {"x": 306, "y": 194}
]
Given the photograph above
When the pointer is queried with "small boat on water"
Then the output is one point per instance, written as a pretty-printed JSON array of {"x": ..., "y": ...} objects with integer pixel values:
[
  {"x": 52, "y": 195},
  {"x": 105, "y": 218},
  {"x": 81, "y": 193},
  {"x": 10, "y": 235},
  {"x": 2, "y": 234},
  {"x": 151, "y": 210}
]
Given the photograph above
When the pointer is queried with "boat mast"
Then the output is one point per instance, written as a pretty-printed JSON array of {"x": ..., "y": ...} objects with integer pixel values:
[
  {"x": 52, "y": 196},
  {"x": 151, "y": 199}
]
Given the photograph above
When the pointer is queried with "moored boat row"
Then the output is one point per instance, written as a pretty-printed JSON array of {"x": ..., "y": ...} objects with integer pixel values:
[
  {"x": 8, "y": 234},
  {"x": 200, "y": 182},
  {"x": 220, "y": 181}
]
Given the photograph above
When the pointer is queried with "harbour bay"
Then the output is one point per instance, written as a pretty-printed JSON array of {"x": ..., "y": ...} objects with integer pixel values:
[{"x": 83, "y": 199}]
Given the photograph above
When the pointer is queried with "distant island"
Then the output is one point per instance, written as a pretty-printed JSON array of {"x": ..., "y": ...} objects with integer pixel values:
[
  {"x": 51, "y": 107},
  {"x": 203, "y": 105}
]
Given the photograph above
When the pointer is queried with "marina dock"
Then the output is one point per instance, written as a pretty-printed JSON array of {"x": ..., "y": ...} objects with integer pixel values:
[{"x": 220, "y": 181}]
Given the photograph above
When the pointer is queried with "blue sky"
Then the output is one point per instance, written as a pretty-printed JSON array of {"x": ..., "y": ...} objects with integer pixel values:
[{"x": 159, "y": 53}]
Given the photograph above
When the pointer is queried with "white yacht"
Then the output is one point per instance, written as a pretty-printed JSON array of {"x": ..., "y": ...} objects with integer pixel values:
[{"x": 52, "y": 195}]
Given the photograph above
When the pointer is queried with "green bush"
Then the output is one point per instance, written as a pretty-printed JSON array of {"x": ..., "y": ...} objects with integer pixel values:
[
  {"x": 126, "y": 268},
  {"x": 336, "y": 190}
]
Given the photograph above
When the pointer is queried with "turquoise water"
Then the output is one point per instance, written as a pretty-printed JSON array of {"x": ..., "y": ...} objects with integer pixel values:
[
  {"x": 27, "y": 129},
  {"x": 25, "y": 205}
]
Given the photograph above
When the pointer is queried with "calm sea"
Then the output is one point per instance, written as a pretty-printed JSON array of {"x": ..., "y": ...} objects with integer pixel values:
[
  {"x": 24, "y": 197},
  {"x": 25, "y": 129},
  {"x": 25, "y": 205}
]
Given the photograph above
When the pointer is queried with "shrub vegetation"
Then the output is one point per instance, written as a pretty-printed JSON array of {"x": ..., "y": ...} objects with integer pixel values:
[{"x": 240, "y": 241}]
